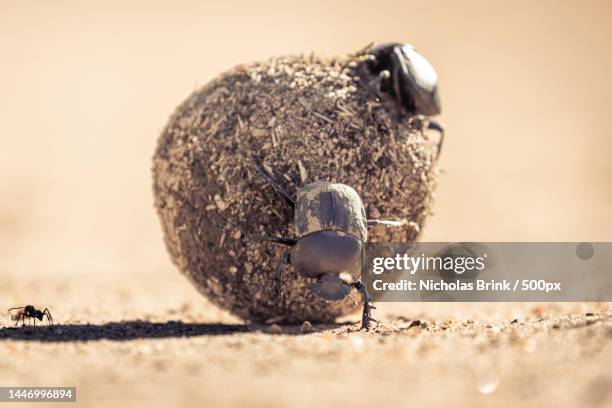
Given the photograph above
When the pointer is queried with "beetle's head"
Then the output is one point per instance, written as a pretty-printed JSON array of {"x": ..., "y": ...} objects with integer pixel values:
[
  {"x": 331, "y": 287},
  {"x": 333, "y": 257}
]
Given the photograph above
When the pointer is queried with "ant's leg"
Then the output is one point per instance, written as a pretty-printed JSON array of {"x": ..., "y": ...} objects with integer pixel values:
[
  {"x": 34, "y": 322},
  {"x": 289, "y": 200},
  {"x": 18, "y": 314},
  {"x": 366, "y": 317},
  {"x": 285, "y": 260},
  {"x": 48, "y": 314}
]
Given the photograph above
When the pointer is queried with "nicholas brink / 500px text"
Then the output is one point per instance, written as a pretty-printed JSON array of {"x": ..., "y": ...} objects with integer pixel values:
[{"x": 461, "y": 285}]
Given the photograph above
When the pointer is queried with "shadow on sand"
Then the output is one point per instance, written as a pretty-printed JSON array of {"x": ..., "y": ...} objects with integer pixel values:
[{"x": 138, "y": 329}]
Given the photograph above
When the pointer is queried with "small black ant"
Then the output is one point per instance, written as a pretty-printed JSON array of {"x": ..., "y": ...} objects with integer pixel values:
[{"x": 30, "y": 311}]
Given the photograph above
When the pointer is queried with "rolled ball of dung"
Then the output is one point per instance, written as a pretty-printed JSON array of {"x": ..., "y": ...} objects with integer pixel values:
[{"x": 304, "y": 119}]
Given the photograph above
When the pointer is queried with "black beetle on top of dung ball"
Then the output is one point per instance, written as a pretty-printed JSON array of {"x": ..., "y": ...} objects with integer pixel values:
[{"x": 358, "y": 123}]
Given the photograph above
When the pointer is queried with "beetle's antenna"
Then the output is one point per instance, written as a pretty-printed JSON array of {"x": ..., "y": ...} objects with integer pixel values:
[{"x": 288, "y": 198}]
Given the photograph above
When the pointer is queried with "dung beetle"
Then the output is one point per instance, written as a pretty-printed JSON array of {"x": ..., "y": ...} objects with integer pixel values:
[
  {"x": 331, "y": 223},
  {"x": 410, "y": 79}
]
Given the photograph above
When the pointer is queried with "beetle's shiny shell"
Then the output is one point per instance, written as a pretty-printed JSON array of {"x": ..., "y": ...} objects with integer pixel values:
[{"x": 328, "y": 253}]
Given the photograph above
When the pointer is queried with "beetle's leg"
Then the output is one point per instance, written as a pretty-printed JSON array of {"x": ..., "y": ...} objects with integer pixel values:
[
  {"x": 391, "y": 223},
  {"x": 433, "y": 125},
  {"x": 289, "y": 200},
  {"x": 285, "y": 260},
  {"x": 382, "y": 82},
  {"x": 421, "y": 121},
  {"x": 366, "y": 317},
  {"x": 277, "y": 240}
]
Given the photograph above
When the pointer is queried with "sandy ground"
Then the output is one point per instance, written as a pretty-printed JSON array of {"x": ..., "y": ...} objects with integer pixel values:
[
  {"x": 88, "y": 86},
  {"x": 146, "y": 347}
]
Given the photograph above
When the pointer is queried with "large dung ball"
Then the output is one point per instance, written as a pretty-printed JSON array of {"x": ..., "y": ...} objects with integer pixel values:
[{"x": 304, "y": 119}]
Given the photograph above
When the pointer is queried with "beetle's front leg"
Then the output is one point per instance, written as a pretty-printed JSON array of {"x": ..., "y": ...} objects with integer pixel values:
[
  {"x": 289, "y": 199},
  {"x": 382, "y": 82},
  {"x": 366, "y": 317}
]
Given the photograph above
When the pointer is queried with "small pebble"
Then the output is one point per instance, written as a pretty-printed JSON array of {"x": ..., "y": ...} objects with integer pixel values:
[
  {"x": 274, "y": 329},
  {"x": 306, "y": 327},
  {"x": 415, "y": 323}
]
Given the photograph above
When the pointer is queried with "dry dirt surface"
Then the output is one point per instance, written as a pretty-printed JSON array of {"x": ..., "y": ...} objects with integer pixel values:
[{"x": 143, "y": 349}]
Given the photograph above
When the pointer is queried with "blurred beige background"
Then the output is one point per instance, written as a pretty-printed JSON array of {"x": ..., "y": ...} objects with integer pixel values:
[{"x": 87, "y": 87}]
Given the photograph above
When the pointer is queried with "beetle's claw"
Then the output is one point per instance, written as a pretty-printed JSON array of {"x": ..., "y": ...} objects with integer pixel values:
[
  {"x": 367, "y": 316},
  {"x": 365, "y": 323}
]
